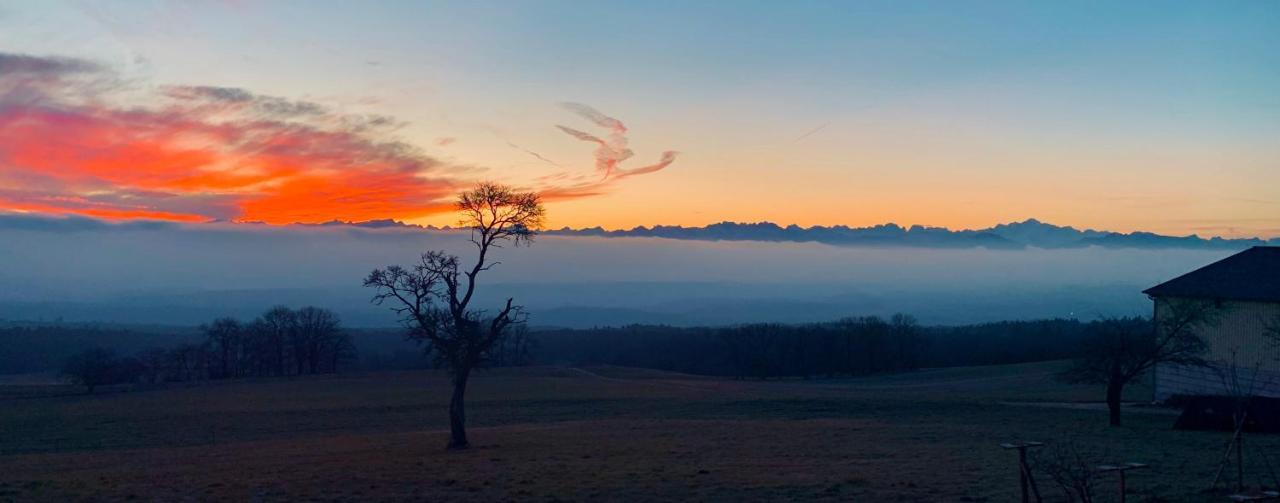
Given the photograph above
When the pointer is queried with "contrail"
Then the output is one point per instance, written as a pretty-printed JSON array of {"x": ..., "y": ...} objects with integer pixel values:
[
  {"x": 812, "y": 132},
  {"x": 532, "y": 153}
]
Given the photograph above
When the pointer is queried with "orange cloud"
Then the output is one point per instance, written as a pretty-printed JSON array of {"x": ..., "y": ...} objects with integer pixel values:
[{"x": 199, "y": 154}]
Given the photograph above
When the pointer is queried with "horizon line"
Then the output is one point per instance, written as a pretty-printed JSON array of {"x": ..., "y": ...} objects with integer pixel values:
[{"x": 392, "y": 222}]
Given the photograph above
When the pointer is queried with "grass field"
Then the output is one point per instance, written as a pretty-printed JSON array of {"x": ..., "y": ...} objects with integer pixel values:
[{"x": 583, "y": 435}]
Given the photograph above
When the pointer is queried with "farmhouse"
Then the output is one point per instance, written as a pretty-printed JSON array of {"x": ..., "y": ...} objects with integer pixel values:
[{"x": 1243, "y": 344}]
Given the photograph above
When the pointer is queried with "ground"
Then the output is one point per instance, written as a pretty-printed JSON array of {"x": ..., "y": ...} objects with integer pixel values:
[{"x": 585, "y": 435}]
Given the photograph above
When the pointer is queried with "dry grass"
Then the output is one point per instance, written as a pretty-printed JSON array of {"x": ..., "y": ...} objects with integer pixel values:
[{"x": 583, "y": 435}]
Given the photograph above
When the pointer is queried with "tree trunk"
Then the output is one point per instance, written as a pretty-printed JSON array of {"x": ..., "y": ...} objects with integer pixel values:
[
  {"x": 1115, "y": 386},
  {"x": 457, "y": 412}
]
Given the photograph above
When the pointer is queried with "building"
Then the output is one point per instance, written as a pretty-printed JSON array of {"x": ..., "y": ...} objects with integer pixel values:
[{"x": 1245, "y": 291}]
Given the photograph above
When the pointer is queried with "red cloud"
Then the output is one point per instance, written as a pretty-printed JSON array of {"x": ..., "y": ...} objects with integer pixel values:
[{"x": 198, "y": 154}]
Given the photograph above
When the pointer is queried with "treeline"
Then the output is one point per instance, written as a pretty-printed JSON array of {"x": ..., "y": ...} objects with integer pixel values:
[
  {"x": 853, "y": 346},
  {"x": 284, "y": 342},
  {"x": 280, "y": 342},
  {"x": 27, "y": 348}
]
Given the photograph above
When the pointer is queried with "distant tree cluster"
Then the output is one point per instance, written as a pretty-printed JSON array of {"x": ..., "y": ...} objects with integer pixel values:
[
  {"x": 853, "y": 346},
  {"x": 280, "y": 342}
]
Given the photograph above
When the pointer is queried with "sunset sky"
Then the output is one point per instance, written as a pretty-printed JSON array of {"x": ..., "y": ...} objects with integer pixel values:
[{"x": 1155, "y": 116}]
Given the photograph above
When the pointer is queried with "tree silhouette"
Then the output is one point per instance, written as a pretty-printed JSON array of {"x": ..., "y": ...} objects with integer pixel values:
[
  {"x": 1121, "y": 350},
  {"x": 224, "y": 335},
  {"x": 433, "y": 297}
]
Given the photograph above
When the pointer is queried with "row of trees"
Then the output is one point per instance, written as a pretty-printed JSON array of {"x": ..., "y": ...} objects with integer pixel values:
[
  {"x": 280, "y": 342},
  {"x": 852, "y": 346},
  {"x": 100, "y": 366}
]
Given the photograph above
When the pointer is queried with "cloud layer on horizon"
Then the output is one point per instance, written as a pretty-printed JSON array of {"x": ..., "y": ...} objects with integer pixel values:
[{"x": 76, "y": 138}]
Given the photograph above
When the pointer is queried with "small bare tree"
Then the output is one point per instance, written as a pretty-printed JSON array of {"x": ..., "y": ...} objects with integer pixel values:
[
  {"x": 1121, "y": 350},
  {"x": 1073, "y": 468},
  {"x": 433, "y": 297}
]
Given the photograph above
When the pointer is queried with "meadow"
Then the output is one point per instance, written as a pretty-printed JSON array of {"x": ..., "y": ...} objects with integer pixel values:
[{"x": 587, "y": 434}]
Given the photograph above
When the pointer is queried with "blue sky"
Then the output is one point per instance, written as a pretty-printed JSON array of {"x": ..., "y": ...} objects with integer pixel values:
[{"x": 1136, "y": 115}]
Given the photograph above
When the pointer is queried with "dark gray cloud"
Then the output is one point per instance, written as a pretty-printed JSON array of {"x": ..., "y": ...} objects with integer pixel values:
[
  {"x": 72, "y": 223},
  {"x": 23, "y": 64}
]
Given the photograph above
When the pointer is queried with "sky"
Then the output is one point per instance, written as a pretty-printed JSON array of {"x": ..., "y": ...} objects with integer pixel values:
[{"x": 1154, "y": 116}]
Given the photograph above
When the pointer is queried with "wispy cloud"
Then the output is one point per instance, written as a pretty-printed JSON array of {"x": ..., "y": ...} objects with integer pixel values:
[
  {"x": 611, "y": 152},
  {"x": 533, "y": 154},
  {"x": 811, "y": 132}
]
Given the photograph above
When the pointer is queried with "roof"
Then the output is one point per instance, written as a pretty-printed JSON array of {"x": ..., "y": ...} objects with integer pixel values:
[{"x": 1253, "y": 274}]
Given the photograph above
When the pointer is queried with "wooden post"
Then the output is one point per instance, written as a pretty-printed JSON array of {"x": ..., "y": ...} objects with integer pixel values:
[
  {"x": 1121, "y": 469},
  {"x": 1025, "y": 479}
]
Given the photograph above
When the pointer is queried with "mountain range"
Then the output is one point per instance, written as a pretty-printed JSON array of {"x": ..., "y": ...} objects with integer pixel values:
[
  {"x": 1030, "y": 233},
  {"x": 1015, "y": 235}
]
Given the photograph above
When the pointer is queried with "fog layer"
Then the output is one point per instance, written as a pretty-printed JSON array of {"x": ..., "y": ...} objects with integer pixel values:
[{"x": 187, "y": 274}]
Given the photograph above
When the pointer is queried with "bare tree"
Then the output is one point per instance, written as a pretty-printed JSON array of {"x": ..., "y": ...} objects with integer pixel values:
[
  {"x": 278, "y": 326},
  {"x": 433, "y": 297},
  {"x": 1121, "y": 350},
  {"x": 318, "y": 336},
  {"x": 1073, "y": 468},
  {"x": 224, "y": 337}
]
